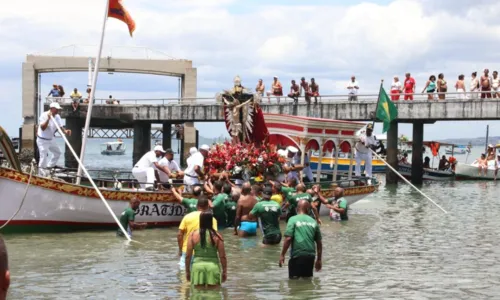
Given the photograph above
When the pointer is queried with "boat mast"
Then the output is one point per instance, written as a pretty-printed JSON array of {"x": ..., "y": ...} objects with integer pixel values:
[
  {"x": 92, "y": 94},
  {"x": 487, "y": 133}
]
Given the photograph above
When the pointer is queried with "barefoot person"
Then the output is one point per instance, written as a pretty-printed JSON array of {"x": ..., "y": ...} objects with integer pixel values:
[
  {"x": 485, "y": 85},
  {"x": 302, "y": 195},
  {"x": 4, "y": 270},
  {"x": 210, "y": 258},
  {"x": 269, "y": 213},
  {"x": 244, "y": 224},
  {"x": 190, "y": 204},
  {"x": 45, "y": 138},
  {"x": 460, "y": 88},
  {"x": 303, "y": 234},
  {"x": 482, "y": 165},
  {"x": 294, "y": 92},
  {"x": 338, "y": 205},
  {"x": 127, "y": 218},
  {"x": 189, "y": 224}
]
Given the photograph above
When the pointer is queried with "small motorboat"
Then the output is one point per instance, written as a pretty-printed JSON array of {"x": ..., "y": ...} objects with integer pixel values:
[
  {"x": 113, "y": 148},
  {"x": 471, "y": 171},
  {"x": 429, "y": 174}
]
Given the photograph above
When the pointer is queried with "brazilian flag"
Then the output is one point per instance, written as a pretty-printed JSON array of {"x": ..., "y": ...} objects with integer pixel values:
[{"x": 386, "y": 110}]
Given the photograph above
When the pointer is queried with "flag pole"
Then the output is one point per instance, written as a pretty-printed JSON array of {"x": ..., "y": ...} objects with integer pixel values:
[
  {"x": 378, "y": 102},
  {"x": 92, "y": 94}
]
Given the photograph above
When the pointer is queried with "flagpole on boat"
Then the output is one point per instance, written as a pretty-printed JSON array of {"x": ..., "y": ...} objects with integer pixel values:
[
  {"x": 92, "y": 95},
  {"x": 91, "y": 180}
]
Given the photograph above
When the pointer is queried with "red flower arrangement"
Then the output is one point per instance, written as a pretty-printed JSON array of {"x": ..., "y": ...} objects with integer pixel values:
[{"x": 239, "y": 159}]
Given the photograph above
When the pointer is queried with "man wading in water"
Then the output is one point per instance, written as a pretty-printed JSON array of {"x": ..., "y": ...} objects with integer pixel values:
[
  {"x": 302, "y": 233},
  {"x": 338, "y": 205},
  {"x": 189, "y": 203},
  {"x": 269, "y": 213},
  {"x": 127, "y": 219},
  {"x": 244, "y": 224},
  {"x": 4, "y": 270}
]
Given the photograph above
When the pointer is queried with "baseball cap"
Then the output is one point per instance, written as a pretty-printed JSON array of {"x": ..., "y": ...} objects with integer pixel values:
[
  {"x": 158, "y": 148},
  {"x": 169, "y": 151},
  {"x": 205, "y": 147},
  {"x": 292, "y": 149},
  {"x": 55, "y": 105},
  {"x": 193, "y": 150}
]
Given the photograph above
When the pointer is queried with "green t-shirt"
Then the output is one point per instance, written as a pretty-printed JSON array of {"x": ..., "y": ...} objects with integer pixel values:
[
  {"x": 294, "y": 200},
  {"x": 190, "y": 204},
  {"x": 288, "y": 191},
  {"x": 342, "y": 204},
  {"x": 304, "y": 232},
  {"x": 231, "y": 213},
  {"x": 258, "y": 198},
  {"x": 269, "y": 213},
  {"x": 127, "y": 215},
  {"x": 219, "y": 209}
]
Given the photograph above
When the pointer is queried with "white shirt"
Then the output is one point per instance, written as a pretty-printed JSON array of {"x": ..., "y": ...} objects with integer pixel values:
[
  {"x": 368, "y": 140},
  {"x": 171, "y": 165},
  {"x": 196, "y": 159},
  {"x": 396, "y": 86},
  {"x": 293, "y": 174},
  {"x": 147, "y": 160},
  {"x": 351, "y": 87},
  {"x": 307, "y": 170},
  {"x": 51, "y": 129}
]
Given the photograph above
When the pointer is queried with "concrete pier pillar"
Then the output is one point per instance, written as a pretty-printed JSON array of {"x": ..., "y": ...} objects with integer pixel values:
[
  {"x": 189, "y": 139},
  {"x": 417, "y": 164},
  {"x": 167, "y": 135},
  {"x": 142, "y": 140},
  {"x": 75, "y": 139},
  {"x": 392, "y": 153}
]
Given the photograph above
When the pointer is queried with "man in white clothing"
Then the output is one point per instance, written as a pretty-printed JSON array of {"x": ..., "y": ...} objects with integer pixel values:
[
  {"x": 353, "y": 88},
  {"x": 144, "y": 169},
  {"x": 363, "y": 151},
  {"x": 45, "y": 138},
  {"x": 293, "y": 161},
  {"x": 307, "y": 171},
  {"x": 168, "y": 167},
  {"x": 194, "y": 170}
]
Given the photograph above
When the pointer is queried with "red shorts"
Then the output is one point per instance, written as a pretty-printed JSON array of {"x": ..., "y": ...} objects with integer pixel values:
[
  {"x": 409, "y": 95},
  {"x": 395, "y": 95}
]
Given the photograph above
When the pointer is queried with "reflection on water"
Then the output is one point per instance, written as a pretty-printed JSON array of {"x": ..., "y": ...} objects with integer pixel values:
[{"x": 395, "y": 245}]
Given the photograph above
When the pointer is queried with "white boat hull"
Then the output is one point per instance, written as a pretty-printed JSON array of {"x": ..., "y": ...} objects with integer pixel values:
[
  {"x": 57, "y": 206},
  {"x": 466, "y": 171},
  {"x": 429, "y": 174}
]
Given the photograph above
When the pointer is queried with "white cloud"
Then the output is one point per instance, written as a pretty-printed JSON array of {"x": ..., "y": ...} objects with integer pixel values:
[{"x": 326, "y": 42}]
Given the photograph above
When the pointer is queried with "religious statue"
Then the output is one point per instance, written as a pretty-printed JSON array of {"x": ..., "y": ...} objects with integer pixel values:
[{"x": 244, "y": 118}]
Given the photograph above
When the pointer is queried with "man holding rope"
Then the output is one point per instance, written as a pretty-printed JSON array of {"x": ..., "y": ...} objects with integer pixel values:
[{"x": 363, "y": 151}]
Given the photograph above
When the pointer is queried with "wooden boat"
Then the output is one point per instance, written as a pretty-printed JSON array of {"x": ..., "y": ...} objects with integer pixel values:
[
  {"x": 49, "y": 205},
  {"x": 113, "y": 148},
  {"x": 429, "y": 174}
]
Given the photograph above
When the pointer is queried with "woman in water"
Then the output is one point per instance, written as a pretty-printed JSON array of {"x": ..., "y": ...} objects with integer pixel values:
[
  {"x": 442, "y": 87},
  {"x": 210, "y": 255},
  {"x": 430, "y": 87}
]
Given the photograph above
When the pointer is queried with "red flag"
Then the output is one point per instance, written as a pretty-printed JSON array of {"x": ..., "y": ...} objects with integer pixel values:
[{"x": 117, "y": 11}]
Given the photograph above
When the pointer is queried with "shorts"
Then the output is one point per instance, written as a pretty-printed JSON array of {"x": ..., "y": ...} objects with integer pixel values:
[
  {"x": 301, "y": 266},
  {"x": 408, "y": 95},
  {"x": 182, "y": 261},
  {"x": 272, "y": 239},
  {"x": 249, "y": 227}
]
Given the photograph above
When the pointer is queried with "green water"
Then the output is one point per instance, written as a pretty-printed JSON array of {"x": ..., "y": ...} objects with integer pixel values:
[{"x": 395, "y": 245}]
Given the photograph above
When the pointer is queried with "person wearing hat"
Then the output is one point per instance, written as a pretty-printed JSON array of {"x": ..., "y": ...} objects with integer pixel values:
[
  {"x": 45, "y": 138},
  {"x": 269, "y": 213},
  {"x": 364, "y": 151},
  {"x": 168, "y": 167},
  {"x": 292, "y": 166},
  {"x": 144, "y": 169},
  {"x": 490, "y": 154},
  {"x": 194, "y": 169},
  {"x": 192, "y": 151}
]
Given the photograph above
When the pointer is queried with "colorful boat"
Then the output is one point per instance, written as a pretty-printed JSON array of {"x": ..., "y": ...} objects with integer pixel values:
[{"x": 48, "y": 205}]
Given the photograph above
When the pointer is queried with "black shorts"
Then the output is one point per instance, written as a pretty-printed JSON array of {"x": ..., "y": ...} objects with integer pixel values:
[
  {"x": 271, "y": 239},
  {"x": 301, "y": 266}
]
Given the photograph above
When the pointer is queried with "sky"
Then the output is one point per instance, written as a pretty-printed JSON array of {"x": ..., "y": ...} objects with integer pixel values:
[{"x": 326, "y": 39}]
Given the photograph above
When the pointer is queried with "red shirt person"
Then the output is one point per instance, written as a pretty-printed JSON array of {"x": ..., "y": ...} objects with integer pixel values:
[{"x": 409, "y": 87}]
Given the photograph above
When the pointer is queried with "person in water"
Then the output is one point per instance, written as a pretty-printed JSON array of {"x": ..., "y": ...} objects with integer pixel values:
[
  {"x": 231, "y": 205},
  {"x": 190, "y": 204},
  {"x": 189, "y": 224},
  {"x": 4, "y": 270},
  {"x": 269, "y": 213},
  {"x": 304, "y": 235},
  {"x": 302, "y": 194},
  {"x": 338, "y": 205},
  {"x": 244, "y": 224},
  {"x": 127, "y": 218},
  {"x": 210, "y": 254},
  {"x": 218, "y": 203}
]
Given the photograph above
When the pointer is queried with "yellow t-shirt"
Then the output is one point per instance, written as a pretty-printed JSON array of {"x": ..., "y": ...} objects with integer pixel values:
[
  {"x": 277, "y": 198},
  {"x": 189, "y": 224}
]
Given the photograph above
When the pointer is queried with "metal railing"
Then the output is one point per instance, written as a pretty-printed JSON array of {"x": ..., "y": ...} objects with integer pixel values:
[{"x": 285, "y": 100}]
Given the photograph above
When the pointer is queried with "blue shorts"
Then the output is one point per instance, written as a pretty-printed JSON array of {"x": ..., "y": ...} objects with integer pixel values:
[{"x": 248, "y": 227}]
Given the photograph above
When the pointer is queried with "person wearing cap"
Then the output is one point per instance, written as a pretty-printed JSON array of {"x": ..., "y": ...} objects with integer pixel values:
[
  {"x": 364, "y": 151},
  {"x": 192, "y": 151},
  {"x": 269, "y": 213},
  {"x": 292, "y": 166},
  {"x": 194, "y": 169},
  {"x": 144, "y": 169},
  {"x": 168, "y": 167},
  {"x": 45, "y": 138}
]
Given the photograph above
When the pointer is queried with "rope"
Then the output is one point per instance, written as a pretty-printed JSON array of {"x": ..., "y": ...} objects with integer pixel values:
[{"x": 24, "y": 198}]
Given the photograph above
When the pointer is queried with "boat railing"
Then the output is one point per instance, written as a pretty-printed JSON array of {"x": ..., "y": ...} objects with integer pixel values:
[{"x": 274, "y": 100}]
